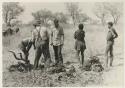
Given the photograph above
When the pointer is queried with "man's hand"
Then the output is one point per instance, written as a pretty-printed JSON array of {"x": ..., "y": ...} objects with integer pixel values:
[
  {"x": 51, "y": 44},
  {"x": 27, "y": 53},
  {"x": 34, "y": 48}
]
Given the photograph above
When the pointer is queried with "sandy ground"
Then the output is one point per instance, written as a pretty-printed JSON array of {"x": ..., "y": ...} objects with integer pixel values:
[{"x": 114, "y": 77}]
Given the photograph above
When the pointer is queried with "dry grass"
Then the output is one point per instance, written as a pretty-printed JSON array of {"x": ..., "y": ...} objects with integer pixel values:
[{"x": 95, "y": 41}]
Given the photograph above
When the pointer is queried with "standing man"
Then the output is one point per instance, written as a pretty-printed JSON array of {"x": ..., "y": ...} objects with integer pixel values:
[
  {"x": 57, "y": 41},
  {"x": 41, "y": 38},
  {"x": 112, "y": 34},
  {"x": 80, "y": 46}
]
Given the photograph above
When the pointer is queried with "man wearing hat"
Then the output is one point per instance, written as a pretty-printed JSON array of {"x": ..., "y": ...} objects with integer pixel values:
[
  {"x": 112, "y": 34},
  {"x": 41, "y": 38}
]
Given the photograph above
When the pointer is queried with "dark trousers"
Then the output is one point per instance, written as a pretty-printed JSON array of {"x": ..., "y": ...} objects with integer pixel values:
[
  {"x": 58, "y": 54},
  {"x": 42, "y": 49}
]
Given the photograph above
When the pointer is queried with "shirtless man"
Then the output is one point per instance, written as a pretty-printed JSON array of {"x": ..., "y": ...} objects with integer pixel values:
[{"x": 112, "y": 34}]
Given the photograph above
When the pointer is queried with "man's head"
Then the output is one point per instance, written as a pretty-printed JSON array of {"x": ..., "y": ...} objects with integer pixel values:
[
  {"x": 56, "y": 22},
  {"x": 81, "y": 26},
  {"x": 110, "y": 24},
  {"x": 36, "y": 25}
]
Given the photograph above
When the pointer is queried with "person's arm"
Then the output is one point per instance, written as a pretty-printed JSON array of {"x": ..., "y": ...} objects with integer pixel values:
[
  {"x": 51, "y": 38},
  {"x": 29, "y": 46},
  {"x": 33, "y": 40},
  {"x": 47, "y": 34},
  {"x": 75, "y": 35},
  {"x": 63, "y": 38},
  {"x": 114, "y": 33},
  {"x": 62, "y": 35},
  {"x": 34, "y": 45}
]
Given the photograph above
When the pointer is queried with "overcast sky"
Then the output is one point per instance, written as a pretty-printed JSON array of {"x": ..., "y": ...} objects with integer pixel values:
[{"x": 26, "y": 16}]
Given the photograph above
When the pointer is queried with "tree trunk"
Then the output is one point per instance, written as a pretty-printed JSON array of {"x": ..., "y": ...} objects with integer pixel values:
[
  {"x": 115, "y": 20},
  {"x": 73, "y": 20},
  {"x": 102, "y": 21}
]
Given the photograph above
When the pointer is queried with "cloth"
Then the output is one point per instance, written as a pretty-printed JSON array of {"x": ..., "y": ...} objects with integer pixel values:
[
  {"x": 79, "y": 45},
  {"x": 25, "y": 45},
  {"x": 79, "y": 35},
  {"x": 40, "y": 36},
  {"x": 56, "y": 35},
  {"x": 58, "y": 54},
  {"x": 43, "y": 49},
  {"x": 80, "y": 42}
]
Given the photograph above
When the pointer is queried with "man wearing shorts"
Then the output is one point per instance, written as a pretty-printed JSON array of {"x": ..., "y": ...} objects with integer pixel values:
[{"x": 80, "y": 46}]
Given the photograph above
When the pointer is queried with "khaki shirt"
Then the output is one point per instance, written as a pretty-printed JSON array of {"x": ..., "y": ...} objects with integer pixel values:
[
  {"x": 40, "y": 35},
  {"x": 44, "y": 35}
]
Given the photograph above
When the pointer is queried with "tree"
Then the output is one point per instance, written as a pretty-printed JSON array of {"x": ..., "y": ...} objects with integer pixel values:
[
  {"x": 82, "y": 17},
  {"x": 114, "y": 9},
  {"x": 61, "y": 17},
  {"x": 43, "y": 15},
  {"x": 73, "y": 10},
  {"x": 100, "y": 12},
  {"x": 11, "y": 10}
]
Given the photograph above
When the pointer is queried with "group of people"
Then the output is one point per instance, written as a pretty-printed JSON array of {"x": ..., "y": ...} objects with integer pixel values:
[{"x": 41, "y": 39}]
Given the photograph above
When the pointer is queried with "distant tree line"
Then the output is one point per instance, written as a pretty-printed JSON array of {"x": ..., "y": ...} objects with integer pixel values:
[
  {"x": 11, "y": 11},
  {"x": 108, "y": 10}
]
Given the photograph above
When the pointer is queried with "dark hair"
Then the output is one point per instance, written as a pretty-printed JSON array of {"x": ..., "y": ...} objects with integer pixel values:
[
  {"x": 110, "y": 23},
  {"x": 56, "y": 20},
  {"x": 81, "y": 26}
]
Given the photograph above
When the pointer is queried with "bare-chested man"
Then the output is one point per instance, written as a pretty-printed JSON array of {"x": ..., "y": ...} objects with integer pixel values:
[{"x": 112, "y": 34}]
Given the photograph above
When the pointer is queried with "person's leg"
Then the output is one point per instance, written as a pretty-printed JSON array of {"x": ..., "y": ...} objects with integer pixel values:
[
  {"x": 60, "y": 58},
  {"x": 46, "y": 54},
  {"x": 37, "y": 57},
  {"x": 25, "y": 53},
  {"x": 106, "y": 54},
  {"x": 26, "y": 57},
  {"x": 111, "y": 55},
  {"x": 55, "y": 48},
  {"x": 82, "y": 57},
  {"x": 77, "y": 56}
]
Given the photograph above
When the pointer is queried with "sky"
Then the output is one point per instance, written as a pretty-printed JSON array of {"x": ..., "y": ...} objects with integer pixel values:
[{"x": 26, "y": 16}]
